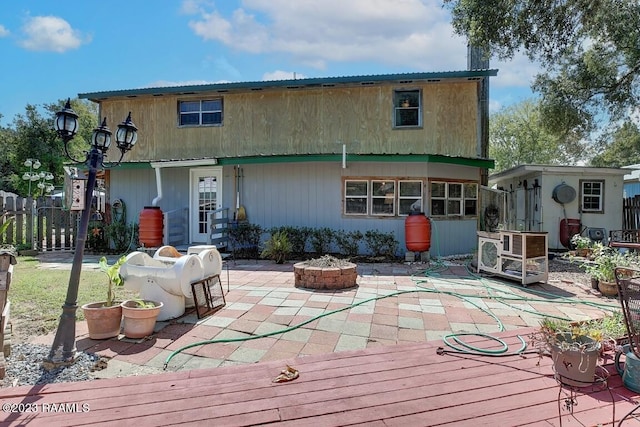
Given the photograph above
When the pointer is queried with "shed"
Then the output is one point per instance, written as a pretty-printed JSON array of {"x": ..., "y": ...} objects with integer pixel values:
[{"x": 562, "y": 200}]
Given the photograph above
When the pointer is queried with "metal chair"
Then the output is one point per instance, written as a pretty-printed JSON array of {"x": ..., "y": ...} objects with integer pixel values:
[{"x": 628, "y": 282}]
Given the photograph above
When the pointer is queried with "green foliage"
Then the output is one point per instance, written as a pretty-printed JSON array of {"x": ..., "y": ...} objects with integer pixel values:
[
  {"x": 113, "y": 274},
  {"x": 348, "y": 242},
  {"x": 381, "y": 244},
  {"x": 298, "y": 237},
  {"x": 518, "y": 136},
  {"x": 277, "y": 247},
  {"x": 245, "y": 239},
  {"x": 321, "y": 239},
  {"x": 121, "y": 236},
  {"x": 620, "y": 147},
  {"x": 588, "y": 51},
  {"x": 606, "y": 259}
]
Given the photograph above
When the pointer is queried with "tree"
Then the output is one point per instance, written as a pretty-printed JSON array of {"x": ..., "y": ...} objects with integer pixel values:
[
  {"x": 623, "y": 148},
  {"x": 589, "y": 51},
  {"x": 517, "y": 136},
  {"x": 34, "y": 137}
]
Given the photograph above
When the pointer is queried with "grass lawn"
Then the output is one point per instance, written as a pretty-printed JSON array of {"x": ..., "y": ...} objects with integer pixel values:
[{"x": 37, "y": 295}]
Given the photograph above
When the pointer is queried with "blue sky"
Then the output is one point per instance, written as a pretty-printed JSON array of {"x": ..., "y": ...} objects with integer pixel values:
[{"x": 54, "y": 50}]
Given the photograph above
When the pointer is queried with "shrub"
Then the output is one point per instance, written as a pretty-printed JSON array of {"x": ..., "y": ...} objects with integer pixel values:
[
  {"x": 381, "y": 244},
  {"x": 245, "y": 240},
  {"x": 348, "y": 242},
  {"x": 321, "y": 239}
]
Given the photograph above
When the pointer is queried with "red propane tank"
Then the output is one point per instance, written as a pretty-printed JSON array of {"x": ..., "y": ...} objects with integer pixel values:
[
  {"x": 417, "y": 232},
  {"x": 151, "y": 227}
]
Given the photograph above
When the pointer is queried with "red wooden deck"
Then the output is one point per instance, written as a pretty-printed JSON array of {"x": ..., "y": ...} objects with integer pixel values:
[{"x": 403, "y": 385}]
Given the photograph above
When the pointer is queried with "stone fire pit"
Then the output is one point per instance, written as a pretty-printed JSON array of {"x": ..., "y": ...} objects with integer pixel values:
[{"x": 325, "y": 273}]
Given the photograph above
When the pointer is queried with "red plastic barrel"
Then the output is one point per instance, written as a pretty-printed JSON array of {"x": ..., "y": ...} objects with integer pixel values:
[
  {"x": 151, "y": 227},
  {"x": 569, "y": 227},
  {"x": 417, "y": 231}
]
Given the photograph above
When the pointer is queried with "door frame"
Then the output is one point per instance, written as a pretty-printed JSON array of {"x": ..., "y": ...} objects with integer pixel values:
[{"x": 194, "y": 175}]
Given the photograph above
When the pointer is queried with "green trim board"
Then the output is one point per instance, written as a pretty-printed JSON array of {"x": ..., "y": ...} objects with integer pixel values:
[
  {"x": 387, "y": 158},
  {"x": 308, "y": 83}
]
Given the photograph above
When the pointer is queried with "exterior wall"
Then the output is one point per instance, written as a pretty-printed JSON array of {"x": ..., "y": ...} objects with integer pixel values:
[
  {"x": 305, "y": 121},
  {"x": 552, "y": 212},
  {"x": 302, "y": 194}
]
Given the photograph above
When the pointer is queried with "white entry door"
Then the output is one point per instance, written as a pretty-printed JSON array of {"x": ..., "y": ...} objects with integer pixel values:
[{"x": 206, "y": 196}]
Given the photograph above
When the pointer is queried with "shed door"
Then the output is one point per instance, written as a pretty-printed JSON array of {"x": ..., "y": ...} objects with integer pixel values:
[{"x": 206, "y": 196}]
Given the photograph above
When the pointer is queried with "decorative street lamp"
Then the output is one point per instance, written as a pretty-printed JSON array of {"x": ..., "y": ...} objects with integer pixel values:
[{"x": 126, "y": 137}]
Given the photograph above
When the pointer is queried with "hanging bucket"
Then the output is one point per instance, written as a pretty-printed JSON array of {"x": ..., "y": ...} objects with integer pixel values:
[
  {"x": 417, "y": 231},
  {"x": 151, "y": 227}
]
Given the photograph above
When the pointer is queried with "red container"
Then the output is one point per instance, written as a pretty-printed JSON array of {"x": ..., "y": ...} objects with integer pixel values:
[
  {"x": 151, "y": 227},
  {"x": 569, "y": 227},
  {"x": 417, "y": 232}
]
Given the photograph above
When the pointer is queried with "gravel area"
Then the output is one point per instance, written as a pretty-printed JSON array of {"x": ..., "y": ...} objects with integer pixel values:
[{"x": 24, "y": 365}]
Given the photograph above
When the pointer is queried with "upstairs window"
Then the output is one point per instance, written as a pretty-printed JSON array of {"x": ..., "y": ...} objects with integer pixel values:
[
  {"x": 592, "y": 196},
  {"x": 200, "y": 113},
  {"x": 407, "y": 109}
]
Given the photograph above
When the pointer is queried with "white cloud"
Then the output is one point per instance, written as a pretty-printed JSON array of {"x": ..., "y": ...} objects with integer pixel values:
[
  {"x": 282, "y": 75},
  {"x": 50, "y": 33},
  {"x": 3, "y": 31},
  {"x": 408, "y": 35}
]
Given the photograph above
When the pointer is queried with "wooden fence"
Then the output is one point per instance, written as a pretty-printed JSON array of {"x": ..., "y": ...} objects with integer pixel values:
[
  {"x": 631, "y": 213},
  {"x": 40, "y": 224}
]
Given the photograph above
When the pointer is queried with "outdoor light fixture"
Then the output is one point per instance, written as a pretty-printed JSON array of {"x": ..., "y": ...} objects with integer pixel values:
[{"x": 126, "y": 137}]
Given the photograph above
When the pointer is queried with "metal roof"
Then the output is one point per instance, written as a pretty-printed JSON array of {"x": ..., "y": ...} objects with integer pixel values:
[{"x": 403, "y": 78}]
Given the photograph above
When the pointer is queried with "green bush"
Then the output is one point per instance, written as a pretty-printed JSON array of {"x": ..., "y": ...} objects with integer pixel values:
[
  {"x": 348, "y": 242},
  {"x": 245, "y": 240},
  {"x": 321, "y": 239},
  {"x": 381, "y": 244}
]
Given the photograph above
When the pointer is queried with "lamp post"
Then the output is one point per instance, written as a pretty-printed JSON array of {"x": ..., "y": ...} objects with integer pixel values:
[{"x": 126, "y": 137}]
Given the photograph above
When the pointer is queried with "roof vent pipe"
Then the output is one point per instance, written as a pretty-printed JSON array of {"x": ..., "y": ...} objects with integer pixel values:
[{"x": 158, "y": 188}]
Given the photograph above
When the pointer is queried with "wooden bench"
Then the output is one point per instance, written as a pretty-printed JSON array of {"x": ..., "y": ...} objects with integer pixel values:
[{"x": 627, "y": 239}]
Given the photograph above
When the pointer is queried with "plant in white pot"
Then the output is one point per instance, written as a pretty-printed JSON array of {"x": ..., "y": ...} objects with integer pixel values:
[
  {"x": 104, "y": 318},
  {"x": 139, "y": 317},
  {"x": 574, "y": 349}
]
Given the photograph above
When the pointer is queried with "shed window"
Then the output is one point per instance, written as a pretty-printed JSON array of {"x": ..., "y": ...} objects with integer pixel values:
[
  {"x": 592, "y": 196},
  {"x": 200, "y": 113}
]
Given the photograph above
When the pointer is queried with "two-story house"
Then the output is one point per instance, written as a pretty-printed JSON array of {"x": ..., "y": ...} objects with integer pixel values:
[{"x": 348, "y": 153}]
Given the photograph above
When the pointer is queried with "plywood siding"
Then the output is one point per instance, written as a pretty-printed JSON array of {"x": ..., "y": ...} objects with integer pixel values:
[{"x": 304, "y": 121}]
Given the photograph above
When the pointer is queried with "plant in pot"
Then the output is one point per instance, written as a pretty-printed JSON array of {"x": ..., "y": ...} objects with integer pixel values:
[
  {"x": 104, "y": 318},
  {"x": 139, "y": 317},
  {"x": 575, "y": 349},
  {"x": 277, "y": 248},
  {"x": 583, "y": 246},
  {"x": 602, "y": 267}
]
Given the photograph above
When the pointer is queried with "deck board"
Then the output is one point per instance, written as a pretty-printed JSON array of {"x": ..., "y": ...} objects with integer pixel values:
[{"x": 401, "y": 385}]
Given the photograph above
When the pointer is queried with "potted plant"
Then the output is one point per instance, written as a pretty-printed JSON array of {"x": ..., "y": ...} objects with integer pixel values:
[
  {"x": 582, "y": 245},
  {"x": 104, "y": 318},
  {"x": 602, "y": 267},
  {"x": 277, "y": 248},
  {"x": 139, "y": 317},
  {"x": 574, "y": 349}
]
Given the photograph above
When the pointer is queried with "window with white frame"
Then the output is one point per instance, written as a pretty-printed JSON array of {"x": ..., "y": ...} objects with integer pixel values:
[
  {"x": 356, "y": 195},
  {"x": 200, "y": 113},
  {"x": 454, "y": 198},
  {"x": 382, "y": 197},
  {"x": 407, "y": 108},
  {"x": 592, "y": 196}
]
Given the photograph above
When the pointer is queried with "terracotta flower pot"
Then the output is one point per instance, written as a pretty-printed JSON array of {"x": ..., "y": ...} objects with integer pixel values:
[
  {"x": 609, "y": 289},
  {"x": 103, "y": 322},
  {"x": 139, "y": 322}
]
